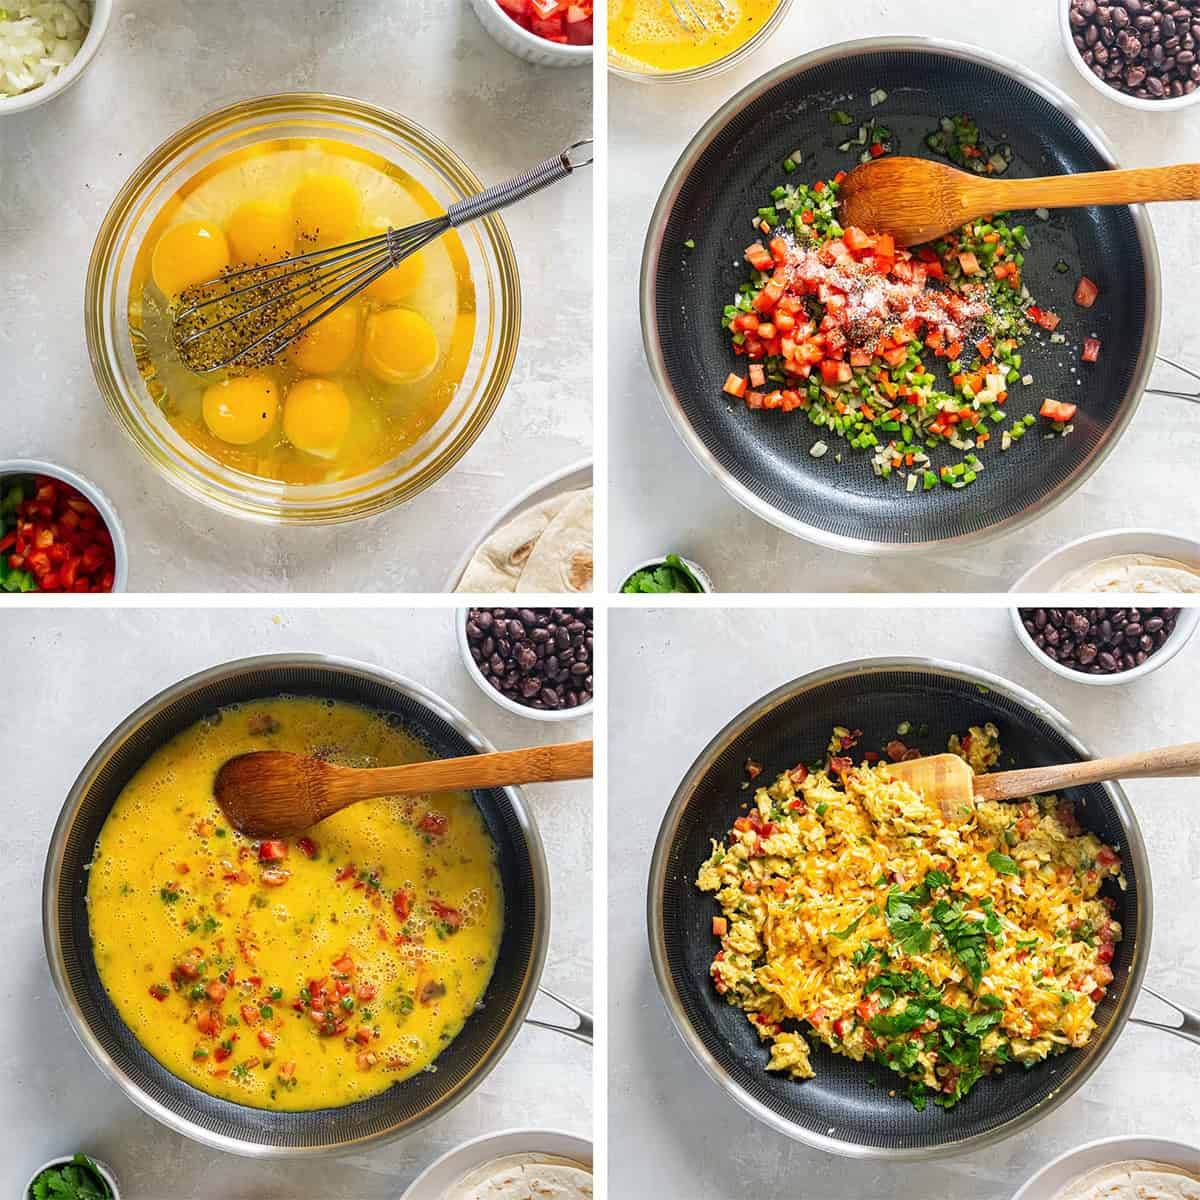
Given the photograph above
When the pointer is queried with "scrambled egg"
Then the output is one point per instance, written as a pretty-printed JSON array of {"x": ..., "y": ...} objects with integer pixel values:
[{"x": 852, "y": 913}]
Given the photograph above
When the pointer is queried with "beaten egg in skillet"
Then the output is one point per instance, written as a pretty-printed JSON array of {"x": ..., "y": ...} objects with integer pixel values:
[{"x": 299, "y": 974}]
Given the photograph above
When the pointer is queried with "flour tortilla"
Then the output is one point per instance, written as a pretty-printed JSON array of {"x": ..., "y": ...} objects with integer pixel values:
[
  {"x": 499, "y": 561},
  {"x": 1137, "y": 1179},
  {"x": 562, "y": 557},
  {"x": 524, "y": 1177}
]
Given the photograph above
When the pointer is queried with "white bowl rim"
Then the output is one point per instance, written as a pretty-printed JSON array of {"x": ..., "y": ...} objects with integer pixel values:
[
  {"x": 1185, "y": 627},
  {"x": 659, "y": 560},
  {"x": 63, "y": 1160},
  {"x": 515, "y": 507},
  {"x": 101, "y": 13},
  {"x": 470, "y": 1148},
  {"x": 1174, "y": 104},
  {"x": 1067, "y": 547},
  {"x": 570, "y": 53},
  {"x": 521, "y": 710},
  {"x": 1123, "y": 1139},
  {"x": 39, "y": 466}
]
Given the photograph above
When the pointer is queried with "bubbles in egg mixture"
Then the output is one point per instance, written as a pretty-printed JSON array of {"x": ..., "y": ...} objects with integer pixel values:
[
  {"x": 654, "y": 20},
  {"x": 647, "y": 34},
  {"x": 166, "y": 816},
  {"x": 392, "y": 401}
]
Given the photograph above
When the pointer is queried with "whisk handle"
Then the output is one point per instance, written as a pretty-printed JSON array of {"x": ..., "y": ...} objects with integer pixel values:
[{"x": 501, "y": 195}]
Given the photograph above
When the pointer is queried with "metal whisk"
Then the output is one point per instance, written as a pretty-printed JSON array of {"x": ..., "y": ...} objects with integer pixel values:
[
  {"x": 249, "y": 317},
  {"x": 692, "y": 20}
]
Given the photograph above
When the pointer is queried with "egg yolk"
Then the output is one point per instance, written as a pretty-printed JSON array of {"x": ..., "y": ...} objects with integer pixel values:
[
  {"x": 326, "y": 210},
  {"x": 187, "y": 254},
  {"x": 400, "y": 346},
  {"x": 261, "y": 232},
  {"x": 400, "y": 282},
  {"x": 316, "y": 415},
  {"x": 243, "y": 409},
  {"x": 329, "y": 344}
]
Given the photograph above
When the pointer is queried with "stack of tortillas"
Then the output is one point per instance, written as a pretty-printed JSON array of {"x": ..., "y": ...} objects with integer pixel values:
[{"x": 547, "y": 548}]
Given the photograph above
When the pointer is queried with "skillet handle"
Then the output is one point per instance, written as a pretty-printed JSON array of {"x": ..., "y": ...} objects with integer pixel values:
[
  {"x": 1194, "y": 397},
  {"x": 1188, "y": 1028},
  {"x": 581, "y": 1032}
]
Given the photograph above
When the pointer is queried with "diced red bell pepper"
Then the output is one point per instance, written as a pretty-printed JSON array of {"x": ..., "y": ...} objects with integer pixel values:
[
  {"x": 735, "y": 385},
  {"x": 1058, "y": 410},
  {"x": 857, "y": 240},
  {"x": 1086, "y": 292},
  {"x": 579, "y": 25},
  {"x": 759, "y": 257}
]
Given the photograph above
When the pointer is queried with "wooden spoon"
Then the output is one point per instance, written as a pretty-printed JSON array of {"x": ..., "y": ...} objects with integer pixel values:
[
  {"x": 947, "y": 779},
  {"x": 916, "y": 200},
  {"x": 274, "y": 794}
]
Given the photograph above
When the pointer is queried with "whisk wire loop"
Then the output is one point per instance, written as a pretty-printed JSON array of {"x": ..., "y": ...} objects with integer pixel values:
[{"x": 255, "y": 313}]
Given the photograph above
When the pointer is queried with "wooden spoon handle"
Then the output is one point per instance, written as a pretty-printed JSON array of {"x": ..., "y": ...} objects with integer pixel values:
[
  {"x": 1097, "y": 187},
  {"x": 1143, "y": 764},
  {"x": 535, "y": 764}
]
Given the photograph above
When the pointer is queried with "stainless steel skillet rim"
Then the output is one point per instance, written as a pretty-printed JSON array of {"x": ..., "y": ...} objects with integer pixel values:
[
  {"x": 50, "y": 908},
  {"x": 1134, "y": 847},
  {"x": 653, "y": 249}
]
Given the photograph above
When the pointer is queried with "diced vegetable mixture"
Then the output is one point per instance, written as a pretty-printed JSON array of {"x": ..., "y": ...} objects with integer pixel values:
[
  {"x": 567, "y": 22},
  {"x": 52, "y": 539},
  {"x": 848, "y": 327}
]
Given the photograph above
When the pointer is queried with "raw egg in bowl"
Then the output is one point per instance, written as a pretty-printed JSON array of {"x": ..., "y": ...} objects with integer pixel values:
[{"x": 377, "y": 400}]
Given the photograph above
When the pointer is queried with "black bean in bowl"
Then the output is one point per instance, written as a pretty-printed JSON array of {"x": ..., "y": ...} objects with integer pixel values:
[
  {"x": 538, "y": 657},
  {"x": 1099, "y": 641},
  {"x": 1144, "y": 48}
]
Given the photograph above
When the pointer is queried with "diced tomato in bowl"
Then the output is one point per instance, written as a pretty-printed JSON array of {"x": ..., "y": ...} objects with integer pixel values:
[
  {"x": 58, "y": 533},
  {"x": 564, "y": 23}
]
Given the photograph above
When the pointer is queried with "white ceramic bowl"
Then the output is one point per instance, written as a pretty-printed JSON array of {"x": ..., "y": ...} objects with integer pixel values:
[
  {"x": 101, "y": 12},
  {"x": 1055, "y": 1175},
  {"x": 437, "y": 1179},
  {"x": 35, "y": 466},
  {"x": 1045, "y": 574},
  {"x": 102, "y": 1167},
  {"x": 572, "y": 478},
  {"x": 702, "y": 576},
  {"x": 526, "y": 45},
  {"x": 1189, "y": 619},
  {"x": 1172, "y": 105},
  {"x": 498, "y": 698}
]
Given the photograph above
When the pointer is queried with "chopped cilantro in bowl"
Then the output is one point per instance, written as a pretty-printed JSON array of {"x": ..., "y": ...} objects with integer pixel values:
[
  {"x": 670, "y": 574},
  {"x": 75, "y": 1178}
]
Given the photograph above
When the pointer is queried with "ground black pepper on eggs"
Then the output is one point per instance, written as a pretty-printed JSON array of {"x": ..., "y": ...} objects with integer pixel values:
[
  {"x": 1099, "y": 641},
  {"x": 539, "y": 657}
]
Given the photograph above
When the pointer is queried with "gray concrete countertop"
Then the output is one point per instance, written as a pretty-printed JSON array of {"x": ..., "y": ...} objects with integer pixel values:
[
  {"x": 661, "y": 499},
  {"x": 164, "y": 63},
  {"x": 686, "y": 673},
  {"x": 82, "y": 673}
]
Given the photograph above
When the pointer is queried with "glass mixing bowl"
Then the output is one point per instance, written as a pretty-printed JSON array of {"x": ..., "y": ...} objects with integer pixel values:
[
  {"x": 625, "y": 69},
  {"x": 435, "y": 167}
]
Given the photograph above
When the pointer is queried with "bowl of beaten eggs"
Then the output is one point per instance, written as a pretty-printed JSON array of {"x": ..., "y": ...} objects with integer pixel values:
[
  {"x": 657, "y": 41},
  {"x": 377, "y": 400}
]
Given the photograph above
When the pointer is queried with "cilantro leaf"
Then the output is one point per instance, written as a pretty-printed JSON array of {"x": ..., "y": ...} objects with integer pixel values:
[
  {"x": 905, "y": 923},
  {"x": 1002, "y": 863}
]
